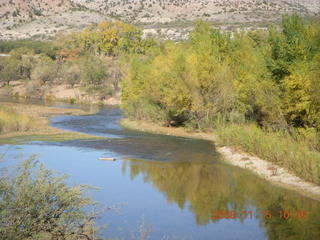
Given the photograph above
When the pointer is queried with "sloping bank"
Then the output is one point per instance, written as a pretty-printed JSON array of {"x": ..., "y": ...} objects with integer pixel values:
[
  {"x": 28, "y": 122},
  {"x": 56, "y": 92},
  {"x": 265, "y": 169}
]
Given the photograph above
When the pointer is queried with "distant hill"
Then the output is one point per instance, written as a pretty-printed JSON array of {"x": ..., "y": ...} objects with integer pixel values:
[
  {"x": 28, "y": 9},
  {"x": 185, "y": 10},
  {"x": 169, "y": 18}
]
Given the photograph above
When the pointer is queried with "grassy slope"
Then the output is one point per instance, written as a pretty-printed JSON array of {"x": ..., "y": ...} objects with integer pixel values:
[{"x": 276, "y": 147}]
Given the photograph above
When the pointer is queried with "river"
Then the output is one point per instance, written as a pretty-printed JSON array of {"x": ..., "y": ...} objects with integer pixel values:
[{"x": 174, "y": 185}]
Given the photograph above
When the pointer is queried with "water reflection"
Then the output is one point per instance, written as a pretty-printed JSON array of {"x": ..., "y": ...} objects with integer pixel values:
[{"x": 206, "y": 187}]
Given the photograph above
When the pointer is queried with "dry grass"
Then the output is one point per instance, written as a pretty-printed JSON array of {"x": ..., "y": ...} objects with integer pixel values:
[
  {"x": 276, "y": 147},
  {"x": 11, "y": 121},
  {"x": 30, "y": 122}
]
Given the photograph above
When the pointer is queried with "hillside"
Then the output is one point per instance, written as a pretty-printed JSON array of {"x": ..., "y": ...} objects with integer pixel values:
[
  {"x": 41, "y": 19},
  {"x": 20, "y": 10},
  {"x": 155, "y": 11}
]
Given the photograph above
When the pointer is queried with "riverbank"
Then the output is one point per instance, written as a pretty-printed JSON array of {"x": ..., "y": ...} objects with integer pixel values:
[
  {"x": 265, "y": 169},
  {"x": 26, "y": 122},
  {"x": 60, "y": 92}
]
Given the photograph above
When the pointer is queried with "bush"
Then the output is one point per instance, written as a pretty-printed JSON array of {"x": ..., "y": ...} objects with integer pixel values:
[
  {"x": 99, "y": 76},
  {"x": 38, "y": 47},
  {"x": 71, "y": 74},
  {"x": 38, "y": 205},
  {"x": 143, "y": 109},
  {"x": 45, "y": 71},
  {"x": 93, "y": 73}
]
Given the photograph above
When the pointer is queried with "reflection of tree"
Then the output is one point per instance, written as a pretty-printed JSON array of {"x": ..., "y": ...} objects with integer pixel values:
[
  {"x": 206, "y": 187},
  {"x": 279, "y": 228}
]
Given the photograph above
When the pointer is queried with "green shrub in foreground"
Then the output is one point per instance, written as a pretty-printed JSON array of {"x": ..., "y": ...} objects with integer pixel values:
[{"x": 38, "y": 205}]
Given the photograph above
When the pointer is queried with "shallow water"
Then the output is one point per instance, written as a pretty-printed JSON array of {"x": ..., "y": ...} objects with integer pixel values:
[{"x": 173, "y": 184}]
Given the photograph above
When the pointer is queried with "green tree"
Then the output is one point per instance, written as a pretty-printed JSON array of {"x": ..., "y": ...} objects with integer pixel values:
[
  {"x": 71, "y": 73},
  {"x": 45, "y": 71},
  {"x": 301, "y": 102},
  {"x": 93, "y": 74},
  {"x": 9, "y": 70},
  {"x": 297, "y": 41}
]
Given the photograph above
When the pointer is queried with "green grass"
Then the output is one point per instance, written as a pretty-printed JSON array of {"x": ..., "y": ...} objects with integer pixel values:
[{"x": 292, "y": 153}]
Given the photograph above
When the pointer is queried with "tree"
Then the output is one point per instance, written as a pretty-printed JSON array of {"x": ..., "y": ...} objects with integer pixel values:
[
  {"x": 296, "y": 42},
  {"x": 45, "y": 71},
  {"x": 9, "y": 70},
  {"x": 26, "y": 61},
  {"x": 109, "y": 38},
  {"x": 93, "y": 74},
  {"x": 71, "y": 74},
  {"x": 301, "y": 102}
]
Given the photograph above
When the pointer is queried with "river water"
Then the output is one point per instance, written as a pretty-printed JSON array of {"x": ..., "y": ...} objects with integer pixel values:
[{"x": 171, "y": 185}]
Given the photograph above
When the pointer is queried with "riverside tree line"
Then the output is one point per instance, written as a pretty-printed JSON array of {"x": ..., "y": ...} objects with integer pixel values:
[
  {"x": 271, "y": 78},
  {"x": 259, "y": 91}
]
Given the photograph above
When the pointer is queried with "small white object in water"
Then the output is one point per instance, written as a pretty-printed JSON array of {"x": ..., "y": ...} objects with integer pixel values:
[{"x": 105, "y": 158}]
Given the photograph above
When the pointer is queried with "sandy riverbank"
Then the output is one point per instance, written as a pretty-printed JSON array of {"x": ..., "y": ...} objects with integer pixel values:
[
  {"x": 262, "y": 168},
  {"x": 42, "y": 130}
]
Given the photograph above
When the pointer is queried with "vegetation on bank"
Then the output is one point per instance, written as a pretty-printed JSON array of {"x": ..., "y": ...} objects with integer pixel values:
[
  {"x": 255, "y": 89},
  {"x": 295, "y": 153},
  {"x": 10, "y": 121},
  {"x": 90, "y": 59},
  {"x": 259, "y": 91},
  {"x": 27, "y": 122}
]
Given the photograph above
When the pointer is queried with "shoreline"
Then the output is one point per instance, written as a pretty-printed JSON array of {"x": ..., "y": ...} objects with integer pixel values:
[
  {"x": 264, "y": 169},
  {"x": 61, "y": 92},
  {"x": 43, "y": 131}
]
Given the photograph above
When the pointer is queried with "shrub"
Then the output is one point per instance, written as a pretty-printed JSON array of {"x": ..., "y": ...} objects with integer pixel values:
[
  {"x": 71, "y": 74},
  {"x": 36, "y": 204},
  {"x": 45, "y": 71}
]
